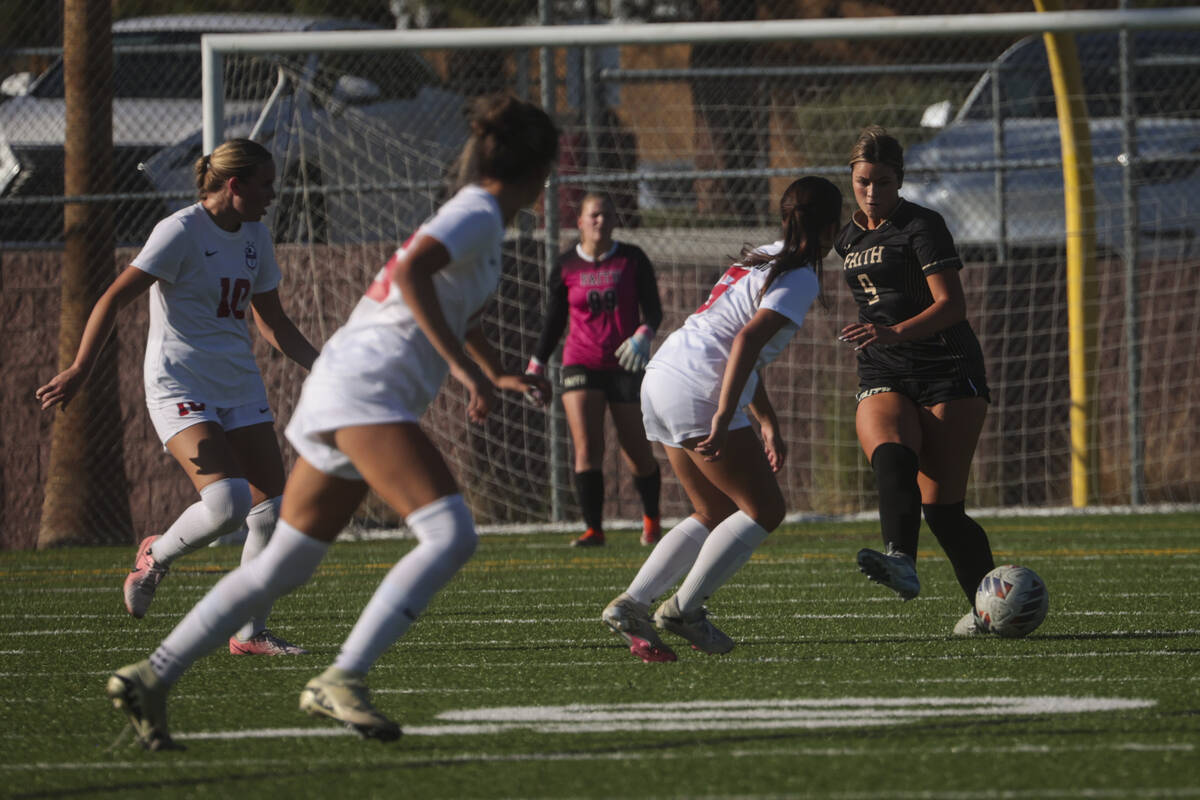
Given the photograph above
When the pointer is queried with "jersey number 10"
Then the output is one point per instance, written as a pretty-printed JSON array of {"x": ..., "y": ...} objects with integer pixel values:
[{"x": 233, "y": 299}]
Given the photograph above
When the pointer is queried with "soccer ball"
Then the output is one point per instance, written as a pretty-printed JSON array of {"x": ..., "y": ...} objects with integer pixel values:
[{"x": 1011, "y": 601}]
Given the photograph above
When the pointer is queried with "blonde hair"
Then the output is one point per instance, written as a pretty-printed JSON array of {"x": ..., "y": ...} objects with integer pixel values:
[
  {"x": 236, "y": 158},
  {"x": 599, "y": 197},
  {"x": 876, "y": 146}
]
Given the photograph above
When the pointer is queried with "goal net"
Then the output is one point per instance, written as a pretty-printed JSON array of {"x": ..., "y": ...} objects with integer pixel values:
[{"x": 695, "y": 140}]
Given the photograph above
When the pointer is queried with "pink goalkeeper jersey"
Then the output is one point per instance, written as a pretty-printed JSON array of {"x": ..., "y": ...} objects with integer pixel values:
[{"x": 605, "y": 299}]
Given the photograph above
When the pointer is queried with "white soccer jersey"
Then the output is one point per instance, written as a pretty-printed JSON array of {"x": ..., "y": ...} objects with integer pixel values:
[
  {"x": 199, "y": 346},
  {"x": 695, "y": 355},
  {"x": 380, "y": 364}
]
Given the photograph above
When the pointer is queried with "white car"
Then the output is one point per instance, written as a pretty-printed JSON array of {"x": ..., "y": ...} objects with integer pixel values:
[
  {"x": 954, "y": 172},
  {"x": 379, "y": 120}
]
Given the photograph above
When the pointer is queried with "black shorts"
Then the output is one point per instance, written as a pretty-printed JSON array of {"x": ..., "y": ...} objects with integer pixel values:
[
  {"x": 619, "y": 386},
  {"x": 925, "y": 392}
]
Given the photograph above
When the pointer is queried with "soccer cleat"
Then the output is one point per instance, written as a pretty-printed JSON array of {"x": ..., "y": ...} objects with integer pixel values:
[
  {"x": 343, "y": 696},
  {"x": 264, "y": 643},
  {"x": 591, "y": 538},
  {"x": 693, "y": 626},
  {"x": 892, "y": 569},
  {"x": 630, "y": 620},
  {"x": 969, "y": 625},
  {"x": 143, "y": 579},
  {"x": 651, "y": 531},
  {"x": 139, "y": 693}
]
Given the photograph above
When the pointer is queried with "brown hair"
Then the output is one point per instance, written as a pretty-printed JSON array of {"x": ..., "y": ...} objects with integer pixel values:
[
  {"x": 807, "y": 207},
  {"x": 236, "y": 158},
  {"x": 509, "y": 139},
  {"x": 876, "y": 146}
]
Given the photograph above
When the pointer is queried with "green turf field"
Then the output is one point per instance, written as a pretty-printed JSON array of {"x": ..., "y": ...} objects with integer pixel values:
[{"x": 509, "y": 686}]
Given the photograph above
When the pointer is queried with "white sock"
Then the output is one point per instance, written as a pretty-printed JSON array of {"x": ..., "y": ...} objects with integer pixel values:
[
  {"x": 729, "y": 546},
  {"x": 288, "y": 561},
  {"x": 668, "y": 561},
  {"x": 260, "y": 523},
  {"x": 446, "y": 540},
  {"x": 222, "y": 509}
]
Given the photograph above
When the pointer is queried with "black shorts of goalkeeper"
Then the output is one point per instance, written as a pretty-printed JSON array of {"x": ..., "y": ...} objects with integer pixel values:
[{"x": 618, "y": 385}]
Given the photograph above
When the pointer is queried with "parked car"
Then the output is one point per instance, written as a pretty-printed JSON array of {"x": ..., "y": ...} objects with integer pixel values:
[
  {"x": 951, "y": 173},
  {"x": 375, "y": 120}
]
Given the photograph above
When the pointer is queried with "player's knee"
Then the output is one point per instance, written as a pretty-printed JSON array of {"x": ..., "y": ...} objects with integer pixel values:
[
  {"x": 228, "y": 501},
  {"x": 266, "y": 512},
  {"x": 895, "y": 467},
  {"x": 286, "y": 563},
  {"x": 770, "y": 514},
  {"x": 447, "y": 525},
  {"x": 767, "y": 508}
]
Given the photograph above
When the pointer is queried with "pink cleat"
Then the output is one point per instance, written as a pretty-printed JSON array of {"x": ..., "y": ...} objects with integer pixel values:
[
  {"x": 143, "y": 579},
  {"x": 264, "y": 643},
  {"x": 631, "y": 621}
]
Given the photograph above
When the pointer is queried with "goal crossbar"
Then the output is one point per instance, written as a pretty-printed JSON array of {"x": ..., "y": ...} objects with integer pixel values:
[{"x": 215, "y": 46}]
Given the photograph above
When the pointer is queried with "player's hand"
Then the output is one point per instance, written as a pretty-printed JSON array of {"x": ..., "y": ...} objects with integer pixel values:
[
  {"x": 864, "y": 334},
  {"x": 481, "y": 392},
  {"x": 61, "y": 388},
  {"x": 775, "y": 448},
  {"x": 634, "y": 353},
  {"x": 535, "y": 387},
  {"x": 712, "y": 447}
]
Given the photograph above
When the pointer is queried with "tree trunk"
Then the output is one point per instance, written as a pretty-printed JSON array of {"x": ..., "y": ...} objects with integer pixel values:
[{"x": 86, "y": 495}]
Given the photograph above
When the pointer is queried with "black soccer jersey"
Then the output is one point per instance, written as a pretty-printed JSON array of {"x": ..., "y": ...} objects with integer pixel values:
[{"x": 886, "y": 270}]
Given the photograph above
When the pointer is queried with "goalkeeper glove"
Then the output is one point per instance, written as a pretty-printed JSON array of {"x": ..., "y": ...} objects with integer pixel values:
[
  {"x": 634, "y": 352},
  {"x": 535, "y": 367}
]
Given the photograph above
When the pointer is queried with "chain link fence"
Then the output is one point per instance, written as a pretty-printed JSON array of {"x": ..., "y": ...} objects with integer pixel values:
[{"x": 695, "y": 142}]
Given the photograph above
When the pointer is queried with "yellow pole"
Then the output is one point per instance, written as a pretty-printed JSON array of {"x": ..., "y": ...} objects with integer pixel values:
[{"x": 1079, "y": 198}]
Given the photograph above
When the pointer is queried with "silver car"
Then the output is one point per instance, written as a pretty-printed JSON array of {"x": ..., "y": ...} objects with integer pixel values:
[
  {"x": 955, "y": 171},
  {"x": 351, "y": 121}
]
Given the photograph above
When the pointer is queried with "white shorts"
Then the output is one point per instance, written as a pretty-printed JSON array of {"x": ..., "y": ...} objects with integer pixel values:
[
  {"x": 170, "y": 418},
  {"x": 327, "y": 404},
  {"x": 673, "y": 413}
]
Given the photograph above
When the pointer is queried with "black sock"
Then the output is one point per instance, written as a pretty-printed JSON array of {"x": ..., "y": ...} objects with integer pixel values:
[
  {"x": 589, "y": 491},
  {"x": 895, "y": 469},
  {"x": 965, "y": 543},
  {"x": 649, "y": 487}
]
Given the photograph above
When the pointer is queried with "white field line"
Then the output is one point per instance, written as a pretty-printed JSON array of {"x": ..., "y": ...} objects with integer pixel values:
[
  {"x": 491, "y": 666},
  {"x": 436, "y": 621},
  {"x": 434, "y": 618},
  {"x": 718, "y": 716},
  {"x": 314, "y": 590},
  {"x": 174, "y": 764},
  {"x": 1070, "y": 682}
]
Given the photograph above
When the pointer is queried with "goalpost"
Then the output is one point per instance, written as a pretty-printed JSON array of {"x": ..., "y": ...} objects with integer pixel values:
[{"x": 363, "y": 125}]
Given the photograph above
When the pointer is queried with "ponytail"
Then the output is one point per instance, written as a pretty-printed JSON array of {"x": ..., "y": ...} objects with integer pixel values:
[
  {"x": 807, "y": 208},
  {"x": 237, "y": 158}
]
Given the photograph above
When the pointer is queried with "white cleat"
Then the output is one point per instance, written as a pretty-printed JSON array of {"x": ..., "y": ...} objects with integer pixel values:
[
  {"x": 137, "y": 692},
  {"x": 343, "y": 696},
  {"x": 969, "y": 625},
  {"x": 693, "y": 626}
]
